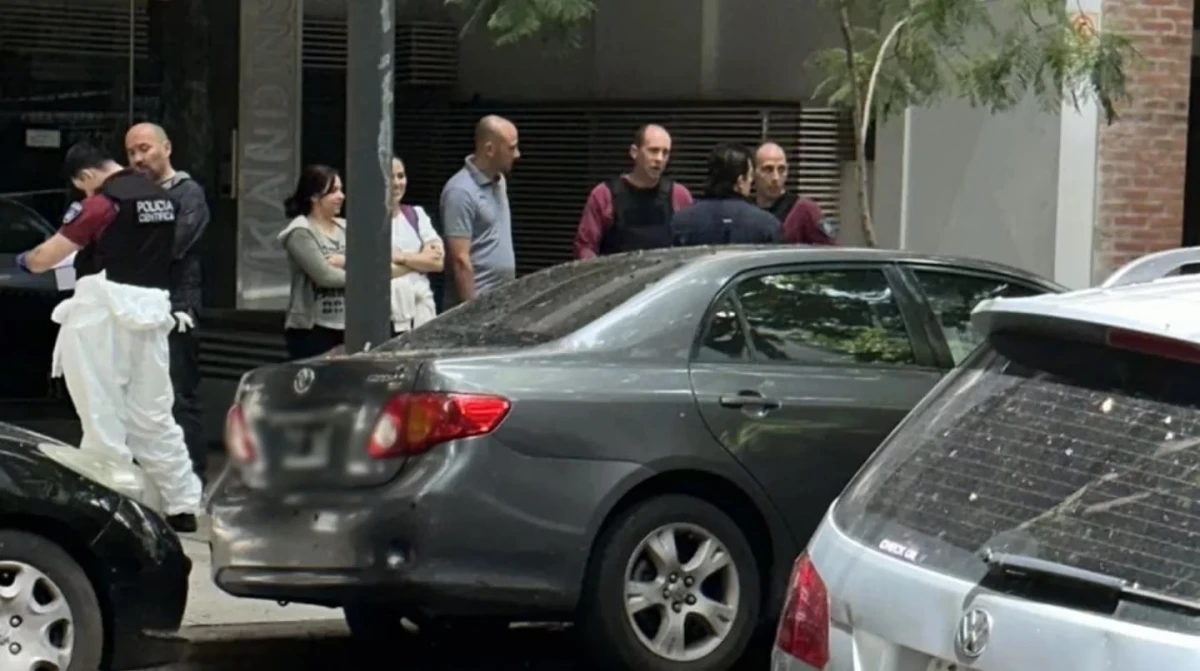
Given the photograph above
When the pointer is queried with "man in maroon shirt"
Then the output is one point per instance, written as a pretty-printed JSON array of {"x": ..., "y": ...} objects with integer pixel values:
[
  {"x": 112, "y": 341},
  {"x": 634, "y": 210},
  {"x": 802, "y": 219}
]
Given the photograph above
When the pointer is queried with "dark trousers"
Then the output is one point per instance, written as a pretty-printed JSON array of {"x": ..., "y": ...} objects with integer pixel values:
[
  {"x": 185, "y": 377},
  {"x": 307, "y": 343}
]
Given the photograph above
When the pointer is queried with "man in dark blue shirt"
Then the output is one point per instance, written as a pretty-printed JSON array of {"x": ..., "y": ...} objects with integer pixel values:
[{"x": 724, "y": 216}]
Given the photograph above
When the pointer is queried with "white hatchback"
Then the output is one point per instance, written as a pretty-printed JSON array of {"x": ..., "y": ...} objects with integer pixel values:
[{"x": 1040, "y": 509}]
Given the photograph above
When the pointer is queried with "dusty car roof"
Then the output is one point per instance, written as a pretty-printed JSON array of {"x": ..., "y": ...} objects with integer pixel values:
[
  {"x": 1132, "y": 299},
  {"x": 750, "y": 255}
]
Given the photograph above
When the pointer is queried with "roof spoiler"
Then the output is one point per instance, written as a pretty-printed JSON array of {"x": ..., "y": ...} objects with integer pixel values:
[{"x": 1153, "y": 267}]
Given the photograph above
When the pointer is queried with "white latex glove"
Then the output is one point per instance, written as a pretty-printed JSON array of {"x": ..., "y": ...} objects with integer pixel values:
[{"x": 184, "y": 322}]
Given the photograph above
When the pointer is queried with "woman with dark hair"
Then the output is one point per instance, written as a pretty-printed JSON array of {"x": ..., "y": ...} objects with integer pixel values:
[{"x": 315, "y": 242}]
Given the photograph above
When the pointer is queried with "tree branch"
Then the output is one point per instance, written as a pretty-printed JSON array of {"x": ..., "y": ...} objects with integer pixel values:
[{"x": 874, "y": 77}]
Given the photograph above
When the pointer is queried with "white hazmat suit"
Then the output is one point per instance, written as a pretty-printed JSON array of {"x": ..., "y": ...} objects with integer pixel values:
[{"x": 112, "y": 349}]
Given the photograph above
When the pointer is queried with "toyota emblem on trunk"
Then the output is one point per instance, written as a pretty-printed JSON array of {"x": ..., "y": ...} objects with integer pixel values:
[
  {"x": 974, "y": 631},
  {"x": 304, "y": 380}
]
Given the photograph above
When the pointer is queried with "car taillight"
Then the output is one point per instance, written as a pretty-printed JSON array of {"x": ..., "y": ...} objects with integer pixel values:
[
  {"x": 804, "y": 627},
  {"x": 238, "y": 441},
  {"x": 412, "y": 423},
  {"x": 1154, "y": 345}
]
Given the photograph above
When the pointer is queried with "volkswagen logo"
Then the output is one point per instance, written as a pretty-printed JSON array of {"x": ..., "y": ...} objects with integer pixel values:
[
  {"x": 303, "y": 381},
  {"x": 974, "y": 631}
]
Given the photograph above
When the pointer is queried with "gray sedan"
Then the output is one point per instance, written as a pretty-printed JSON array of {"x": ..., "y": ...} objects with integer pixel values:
[{"x": 640, "y": 443}]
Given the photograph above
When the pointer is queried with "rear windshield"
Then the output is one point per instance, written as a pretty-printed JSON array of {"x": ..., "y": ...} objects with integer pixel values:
[
  {"x": 546, "y": 305},
  {"x": 1077, "y": 454}
]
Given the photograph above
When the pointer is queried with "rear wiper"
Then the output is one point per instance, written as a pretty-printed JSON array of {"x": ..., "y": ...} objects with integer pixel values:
[{"x": 1030, "y": 576}]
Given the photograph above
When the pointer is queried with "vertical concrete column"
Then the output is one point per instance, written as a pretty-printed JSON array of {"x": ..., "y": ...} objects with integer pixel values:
[
  {"x": 267, "y": 161},
  {"x": 1143, "y": 157},
  {"x": 370, "y": 97},
  {"x": 710, "y": 47}
]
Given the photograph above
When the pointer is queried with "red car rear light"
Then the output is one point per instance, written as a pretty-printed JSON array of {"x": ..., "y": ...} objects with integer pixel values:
[
  {"x": 804, "y": 627},
  {"x": 238, "y": 441},
  {"x": 413, "y": 423},
  {"x": 1155, "y": 345}
]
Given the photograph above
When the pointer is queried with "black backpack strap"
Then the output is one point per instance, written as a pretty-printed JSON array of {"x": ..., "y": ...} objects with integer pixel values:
[
  {"x": 666, "y": 198},
  {"x": 789, "y": 201}
]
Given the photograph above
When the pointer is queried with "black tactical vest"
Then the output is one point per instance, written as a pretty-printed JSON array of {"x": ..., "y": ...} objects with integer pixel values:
[
  {"x": 86, "y": 262},
  {"x": 137, "y": 247},
  {"x": 641, "y": 217},
  {"x": 782, "y": 207}
]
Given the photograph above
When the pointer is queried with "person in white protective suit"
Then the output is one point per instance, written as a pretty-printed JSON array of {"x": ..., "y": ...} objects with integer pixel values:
[{"x": 112, "y": 342}]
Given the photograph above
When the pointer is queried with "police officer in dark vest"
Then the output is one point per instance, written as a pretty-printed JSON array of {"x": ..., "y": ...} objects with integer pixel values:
[
  {"x": 112, "y": 341},
  {"x": 802, "y": 219},
  {"x": 724, "y": 216},
  {"x": 633, "y": 211}
]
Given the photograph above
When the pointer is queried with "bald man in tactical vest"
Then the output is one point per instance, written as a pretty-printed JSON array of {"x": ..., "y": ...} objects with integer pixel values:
[
  {"x": 802, "y": 219},
  {"x": 633, "y": 211}
]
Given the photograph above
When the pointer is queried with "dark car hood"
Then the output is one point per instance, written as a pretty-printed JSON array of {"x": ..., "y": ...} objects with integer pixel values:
[
  {"x": 34, "y": 483},
  {"x": 22, "y": 449},
  {"x": 19, "y": 436},
  {"x": 46, "y": 479}
]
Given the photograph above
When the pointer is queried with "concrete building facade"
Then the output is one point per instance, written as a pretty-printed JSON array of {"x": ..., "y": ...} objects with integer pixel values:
[{"x": 1059, "y": 193}]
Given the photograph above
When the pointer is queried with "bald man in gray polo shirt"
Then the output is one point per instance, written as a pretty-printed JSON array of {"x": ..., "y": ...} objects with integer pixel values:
[{"x": 476, "y": 220}]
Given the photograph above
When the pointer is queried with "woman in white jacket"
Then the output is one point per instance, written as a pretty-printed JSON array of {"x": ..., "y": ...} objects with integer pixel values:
[{"x": 417, "y": 250}]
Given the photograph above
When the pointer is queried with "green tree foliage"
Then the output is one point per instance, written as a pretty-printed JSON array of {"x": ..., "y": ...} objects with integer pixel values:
[
  {"x": 511, "y": 21},
  {"x": 992, "y": 53}
]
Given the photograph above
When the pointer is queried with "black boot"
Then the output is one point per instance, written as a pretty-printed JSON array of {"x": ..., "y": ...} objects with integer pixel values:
[{"x": 184, "y": 523}]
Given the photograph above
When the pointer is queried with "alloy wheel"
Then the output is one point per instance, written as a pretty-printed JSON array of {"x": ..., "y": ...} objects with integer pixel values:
[{"x": 681, "y": 592}]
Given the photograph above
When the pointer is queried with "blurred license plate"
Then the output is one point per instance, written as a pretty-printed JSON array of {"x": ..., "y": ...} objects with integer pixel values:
[
  {"x": 940, "y": 665},
  {"x": 308, "y": 447}
]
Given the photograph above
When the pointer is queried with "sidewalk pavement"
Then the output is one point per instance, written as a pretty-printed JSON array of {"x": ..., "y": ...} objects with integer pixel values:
[{"x": 211, "y": 610}]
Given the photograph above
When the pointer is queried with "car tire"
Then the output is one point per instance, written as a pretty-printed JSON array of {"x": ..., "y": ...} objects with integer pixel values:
[
  {"x": 61, "y": 576},
  {"x": 622, "y": 555}
]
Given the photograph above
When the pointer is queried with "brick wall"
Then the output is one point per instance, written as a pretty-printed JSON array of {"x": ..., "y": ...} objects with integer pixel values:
[{"x": 1143, "y": 156}]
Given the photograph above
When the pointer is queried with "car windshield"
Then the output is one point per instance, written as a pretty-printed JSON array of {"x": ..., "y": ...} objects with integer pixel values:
[
  {"x": 546, "y": 305},
  {"x": 1073, "y": 453}
]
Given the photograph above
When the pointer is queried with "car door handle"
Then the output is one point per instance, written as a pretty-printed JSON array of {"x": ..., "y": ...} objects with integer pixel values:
[{"x": 749, "y": 400}]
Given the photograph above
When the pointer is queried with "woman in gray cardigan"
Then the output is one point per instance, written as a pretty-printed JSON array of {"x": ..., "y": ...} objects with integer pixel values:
[{"x": 315, "y": 242}]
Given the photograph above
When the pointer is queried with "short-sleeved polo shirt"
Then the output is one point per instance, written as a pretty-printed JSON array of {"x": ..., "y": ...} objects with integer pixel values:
[{"x": 475, "y": 206}]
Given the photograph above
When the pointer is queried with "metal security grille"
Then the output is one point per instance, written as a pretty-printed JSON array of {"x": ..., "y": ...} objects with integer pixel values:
[
  {"x": 426, "y": 51},
  {"x": 227, "y": 353},
  {"x": 823, "y": 141},
  {"x": 79, "y": 31}
]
